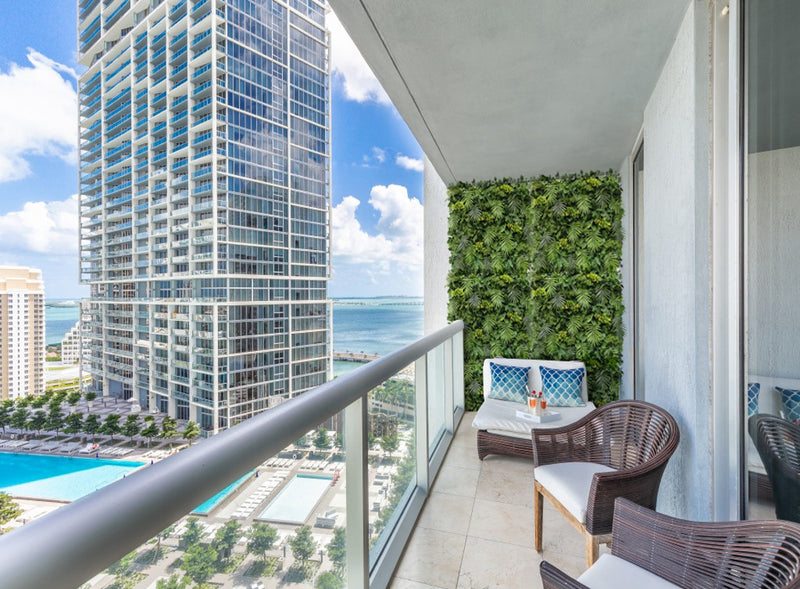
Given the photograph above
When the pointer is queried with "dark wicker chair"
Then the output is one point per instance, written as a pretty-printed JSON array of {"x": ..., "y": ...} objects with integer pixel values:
[
  {"x": 634, "y": 438},
  {"x": 743, "y": 554},
  {"x": 778, "y": 444}
]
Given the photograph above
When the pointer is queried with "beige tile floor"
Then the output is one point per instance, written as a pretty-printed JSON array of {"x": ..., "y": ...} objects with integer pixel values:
[{"x": 476, "y": 529}]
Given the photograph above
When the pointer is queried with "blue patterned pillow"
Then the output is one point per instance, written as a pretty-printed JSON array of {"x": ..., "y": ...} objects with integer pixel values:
[
  {"x": 509, "y": 383},
  {"x": 562, "y": 388},
  {"x": 791, "y": 403},
  {"x": 752, "y": 398}
]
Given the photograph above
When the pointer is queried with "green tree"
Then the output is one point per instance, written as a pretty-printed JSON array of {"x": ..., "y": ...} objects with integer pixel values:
[
  {"x": 19, "y": 419},
  {"x": 55, "y": 418},
  {"x": 74, "y": 423},
  {"x": 261, "y": 539},
  {"x": 338, "y": 440},
  {"x": 121, "y": 568},
  {"x": 226, "y": 537},
  {"x": 191, "y": 431},
  {"x": 390, "y": 443},
  {"x": 91, "y": 425},
  {"x": 322, "y": 440},
  {"x": 174, "y": 582},
  {"x": 302, "y": 544},
  {"x": 73, "y": 397},
  {"x": 111, "y": 426},
  {"x": 192, "y": 534},
  {"x": 39, "y": 401},
  {"x": 37, "y": 421},
  {"x": 169, "y": 429},
  {"x": 336, "y": 548},
  {"x": 8, "y": 510},
  {"x": 89, "y": 396},
  {"x": 132, "y": 426},
  {"x": 199, "y": 563},
  {"x": 329, "y": 580},
  {"x": 6, "y": 410},
  {"x": 150, "y": 430}
]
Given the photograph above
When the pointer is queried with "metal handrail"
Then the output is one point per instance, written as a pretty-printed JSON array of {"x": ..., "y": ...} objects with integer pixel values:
[{"x": 75, "y": 542}]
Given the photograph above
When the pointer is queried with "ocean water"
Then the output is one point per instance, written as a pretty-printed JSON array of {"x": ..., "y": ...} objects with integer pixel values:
[
  {"x": 371, "y": 325},
  {"x": 376, "y": 326},
  {"x": 58, "y": 321}
]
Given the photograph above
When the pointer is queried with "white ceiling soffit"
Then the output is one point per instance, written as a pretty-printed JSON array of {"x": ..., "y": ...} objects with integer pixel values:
[{"x": 513, "y": 88}]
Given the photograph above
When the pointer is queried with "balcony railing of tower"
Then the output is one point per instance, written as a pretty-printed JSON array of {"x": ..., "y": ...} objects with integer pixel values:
[{"x": 83, "y": 538}]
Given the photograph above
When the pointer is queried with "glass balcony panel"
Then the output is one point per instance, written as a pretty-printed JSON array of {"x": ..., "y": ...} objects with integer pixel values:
[
  {"x": 280, "y": 524},
  {"x": 436, "y": 402},
  {"x": 392, "y": 456}
]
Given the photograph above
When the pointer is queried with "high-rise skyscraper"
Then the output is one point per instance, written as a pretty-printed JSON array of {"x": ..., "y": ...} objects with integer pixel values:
[
  {"x": 205, "y": 202},
  {"x": 21, "y": 332}
]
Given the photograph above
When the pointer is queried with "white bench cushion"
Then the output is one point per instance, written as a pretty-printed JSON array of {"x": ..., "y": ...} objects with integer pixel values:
[
  {"x": 611, "y": 572},
  {"x": 500, "y": 417},
  {"x": 570, "y": 482}
]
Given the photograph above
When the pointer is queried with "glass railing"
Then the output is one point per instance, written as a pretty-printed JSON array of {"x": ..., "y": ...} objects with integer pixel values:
[{"x": 226, "y": 510}]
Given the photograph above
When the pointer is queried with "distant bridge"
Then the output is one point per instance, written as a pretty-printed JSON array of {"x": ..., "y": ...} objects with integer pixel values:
[{"x": 354, "y": 356}]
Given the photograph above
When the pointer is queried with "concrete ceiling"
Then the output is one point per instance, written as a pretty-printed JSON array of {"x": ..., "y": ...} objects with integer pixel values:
[{"x": 510, "y": 88}]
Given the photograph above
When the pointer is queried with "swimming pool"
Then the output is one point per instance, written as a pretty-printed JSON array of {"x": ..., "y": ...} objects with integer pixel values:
[
  {"x": 296, "y": 500},
  {"x": 206, "y": 507},
  {"x": 64, "y": 478}
]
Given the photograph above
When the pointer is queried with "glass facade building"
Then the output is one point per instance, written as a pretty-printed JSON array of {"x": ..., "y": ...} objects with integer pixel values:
[{"x": 205, "y": 206}]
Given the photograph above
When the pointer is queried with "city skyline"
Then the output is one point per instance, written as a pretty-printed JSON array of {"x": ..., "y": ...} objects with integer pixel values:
[{"x": 376, "y": 164}]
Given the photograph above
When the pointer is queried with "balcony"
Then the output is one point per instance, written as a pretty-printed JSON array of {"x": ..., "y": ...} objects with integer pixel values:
[{"x": 433, "y": 375}]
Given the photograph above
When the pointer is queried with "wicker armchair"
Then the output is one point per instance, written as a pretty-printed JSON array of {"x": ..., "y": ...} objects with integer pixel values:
[
  {"x": 743, "y": 554},
  {"x": 778, "y": 444},
  {"x": 618, "y": 450}
]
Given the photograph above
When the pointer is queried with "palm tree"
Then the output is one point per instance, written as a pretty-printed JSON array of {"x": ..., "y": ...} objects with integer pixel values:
[
  {"x": 169, "y": 429},
  {"x": 191, "y": 431}
]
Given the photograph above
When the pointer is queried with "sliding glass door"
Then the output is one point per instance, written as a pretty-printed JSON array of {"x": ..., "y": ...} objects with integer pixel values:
[{"x": 771, "y": 164}]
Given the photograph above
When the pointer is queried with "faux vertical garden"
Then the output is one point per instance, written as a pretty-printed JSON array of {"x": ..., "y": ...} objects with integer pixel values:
[{"x": 535, "y": 273}]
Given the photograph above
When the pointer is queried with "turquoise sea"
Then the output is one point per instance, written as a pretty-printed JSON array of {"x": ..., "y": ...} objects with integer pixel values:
[
  {"x": 58, "y": 321},
  {"x": 369, "y": 325}
]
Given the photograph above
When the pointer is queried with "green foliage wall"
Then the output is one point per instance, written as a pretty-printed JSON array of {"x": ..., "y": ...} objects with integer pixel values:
[{"x": 535, "y": 273}]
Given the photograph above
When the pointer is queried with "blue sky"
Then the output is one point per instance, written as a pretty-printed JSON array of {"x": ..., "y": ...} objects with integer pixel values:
[{"x": 376, "y": 164}]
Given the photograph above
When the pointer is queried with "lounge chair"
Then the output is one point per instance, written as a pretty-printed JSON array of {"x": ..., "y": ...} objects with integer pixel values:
[
  {"x": 649, "y": 549},
  {"x": 32, "y": 445},
  {"x": 49, "y": 446},
  {"x": 89, "y": 449},
  {"x": 618, "y": 450},
  {"x": 69, "y": 447},
  {"x": 778, "y": 444}
]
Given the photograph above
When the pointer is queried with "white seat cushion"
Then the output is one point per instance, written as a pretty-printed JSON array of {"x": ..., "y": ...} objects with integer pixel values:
[
  {"x": 500, "y": 417},
  {"x": 611, "y": 572},
  {"x": 570, "y": 482}
]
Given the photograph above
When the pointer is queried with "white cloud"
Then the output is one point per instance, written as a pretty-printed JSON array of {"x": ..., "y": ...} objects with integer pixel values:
[
  {"x": 42, "y": 228},
  {"x": 350, "y": 69},
  {"x": 391, "y": 258},
  {"x": 409, "y": 163},
  {"x": 38, "y": 114}
]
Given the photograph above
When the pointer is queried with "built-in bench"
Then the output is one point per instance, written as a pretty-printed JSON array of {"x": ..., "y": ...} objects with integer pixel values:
[{"x": 500, "y": 431}]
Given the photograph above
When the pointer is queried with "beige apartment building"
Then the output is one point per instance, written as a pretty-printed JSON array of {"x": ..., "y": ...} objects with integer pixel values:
[{"x": 21, "y": 332}]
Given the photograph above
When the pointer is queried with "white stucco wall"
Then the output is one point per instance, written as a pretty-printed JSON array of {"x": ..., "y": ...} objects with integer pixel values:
[
  {"x": 436, "y": 254},
  {"x": 675, "y": 311}
]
